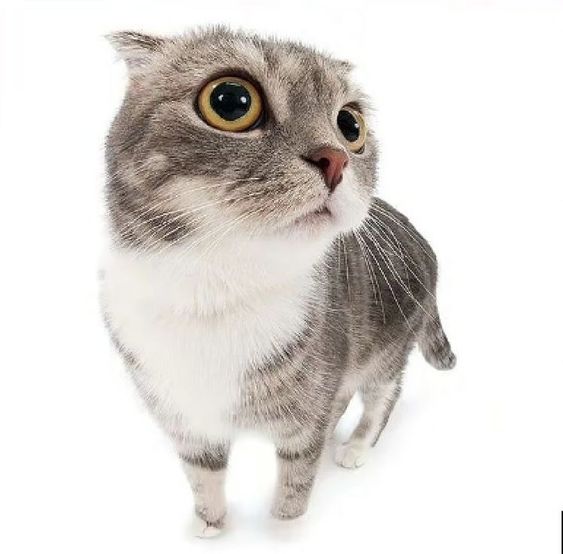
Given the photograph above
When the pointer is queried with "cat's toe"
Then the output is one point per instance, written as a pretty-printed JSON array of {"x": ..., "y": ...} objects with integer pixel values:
[
  {"x": 288, "y": 510},
  {"x": 351, "y": 455},
  {"x": 204, "y": 529}
]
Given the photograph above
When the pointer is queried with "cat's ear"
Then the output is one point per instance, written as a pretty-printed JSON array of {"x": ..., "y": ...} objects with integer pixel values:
[{"x": 136, "y": 49}]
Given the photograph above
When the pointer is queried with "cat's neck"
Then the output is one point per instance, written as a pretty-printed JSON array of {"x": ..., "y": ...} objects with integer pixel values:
[{"x": 203, "y": 284}]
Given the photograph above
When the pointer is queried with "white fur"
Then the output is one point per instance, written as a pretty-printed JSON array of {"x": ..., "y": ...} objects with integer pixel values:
[
  {"x": 351, "y": 456},
  {"x": 209, "y": 492},
  {"x": 196, "y": 319},
  {"x": 347, "y": 205},
  {"x": 203, "y": 530},
  {"x": 196, "y": 325}
]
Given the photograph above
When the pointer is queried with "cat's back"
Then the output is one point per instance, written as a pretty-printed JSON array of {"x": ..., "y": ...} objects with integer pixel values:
[{"x": 385, "y": 273}]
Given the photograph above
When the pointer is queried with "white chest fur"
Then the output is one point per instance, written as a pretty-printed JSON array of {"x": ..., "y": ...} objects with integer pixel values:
[{"x": 196, "y": 331}]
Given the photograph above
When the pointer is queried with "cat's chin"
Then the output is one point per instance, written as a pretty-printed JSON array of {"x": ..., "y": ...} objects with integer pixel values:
[
  {"x": 316, "y": 225},
  {"x": 325, "y": 222},
  {"x": 338, "y": 213},
  {"x": 320, "y": 216}
]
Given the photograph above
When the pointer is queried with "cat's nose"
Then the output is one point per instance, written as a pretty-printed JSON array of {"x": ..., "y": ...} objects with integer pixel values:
[{"x": 331, "y": 162}]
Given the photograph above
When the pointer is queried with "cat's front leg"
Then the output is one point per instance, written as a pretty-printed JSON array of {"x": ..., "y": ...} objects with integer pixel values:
[
  {"x": 298, "y": 460},
  {"x": 205, "y": 464}
]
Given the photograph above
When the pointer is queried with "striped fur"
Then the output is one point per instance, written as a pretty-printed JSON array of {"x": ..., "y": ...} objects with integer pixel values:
[{"x": 229, "y": 314}]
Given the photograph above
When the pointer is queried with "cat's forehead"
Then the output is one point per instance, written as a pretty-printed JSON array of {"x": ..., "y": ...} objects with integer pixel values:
[{"x": 288, "y": 72}]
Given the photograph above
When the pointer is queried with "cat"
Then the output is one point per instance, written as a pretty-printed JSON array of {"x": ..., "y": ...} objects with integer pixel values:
[{"x": 253, "y": 280}]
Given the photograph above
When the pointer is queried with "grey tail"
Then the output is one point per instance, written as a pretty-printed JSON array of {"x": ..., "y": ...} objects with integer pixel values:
[{"x": 434, "y": 343}]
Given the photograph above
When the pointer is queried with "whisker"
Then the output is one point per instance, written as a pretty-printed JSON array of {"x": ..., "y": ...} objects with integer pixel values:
[
  {"x": 178, "y": 194},
  {"x": 236, "y": 222},
  {"x": 215, "y": 230},
  {"x": 359, "y": 238},
  {"x": 388, "y": 262},
  {"x": 347, "y": 269},
  {"x": 385, "y": 213},
  {"x": 412, "y": 272},
  {"x": 372, "y": 276},
  {"x": 149, "y": 232},
  {"x": 382, "y": 227}
]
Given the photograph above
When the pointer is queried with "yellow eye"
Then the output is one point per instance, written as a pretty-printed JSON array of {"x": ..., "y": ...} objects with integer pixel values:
[
  {"x": 230, "y": 104},
  {"x": 353, "y": 127}
]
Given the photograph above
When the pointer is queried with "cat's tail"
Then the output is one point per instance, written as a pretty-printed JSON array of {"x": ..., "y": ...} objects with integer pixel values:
[{"x": 434, "y": 343}]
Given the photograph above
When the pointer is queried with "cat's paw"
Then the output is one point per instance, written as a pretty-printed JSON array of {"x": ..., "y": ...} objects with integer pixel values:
[
  {"x": 204, "y": 529},
  {"x": 288, "y": 509},
  {"x": 351, "y": 455}
]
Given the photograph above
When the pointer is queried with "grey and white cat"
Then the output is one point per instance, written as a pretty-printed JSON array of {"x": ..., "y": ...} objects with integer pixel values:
[{"x": 253, "y": 281}]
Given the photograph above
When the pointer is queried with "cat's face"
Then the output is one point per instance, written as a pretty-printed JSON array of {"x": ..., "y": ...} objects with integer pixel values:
[{"x": 228, "y": 134}]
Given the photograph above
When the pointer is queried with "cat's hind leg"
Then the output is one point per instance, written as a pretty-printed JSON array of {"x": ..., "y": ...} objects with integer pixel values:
[
  {"x": 340, "y": 406},
  {"x": 378, "y": 396}
]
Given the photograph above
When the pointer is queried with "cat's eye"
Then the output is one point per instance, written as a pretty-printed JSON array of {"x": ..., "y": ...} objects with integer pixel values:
[
  {"x": 230, "y": 104},
  {"x": 353, "y": 128}
]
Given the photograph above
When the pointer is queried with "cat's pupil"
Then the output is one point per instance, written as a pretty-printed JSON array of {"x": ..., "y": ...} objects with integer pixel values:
[
  {"x": 230, "y": 100},
  {"x": 348, "y": 125}
]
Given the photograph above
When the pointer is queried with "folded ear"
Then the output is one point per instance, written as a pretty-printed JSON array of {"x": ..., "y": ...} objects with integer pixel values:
[{"x": 135, "y": 49}]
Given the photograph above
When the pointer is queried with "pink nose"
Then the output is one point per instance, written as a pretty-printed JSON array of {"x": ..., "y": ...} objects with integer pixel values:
[{"x": 331, "y": 162}]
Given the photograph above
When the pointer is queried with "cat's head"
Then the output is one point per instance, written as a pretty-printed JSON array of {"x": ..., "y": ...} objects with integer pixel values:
[{"x": 224, "y": 134}]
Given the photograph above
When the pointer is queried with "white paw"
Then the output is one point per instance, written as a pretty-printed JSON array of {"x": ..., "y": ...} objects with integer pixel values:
[
  {"x": 203, "y": 529},
  {"x": 351, "y": 455}
]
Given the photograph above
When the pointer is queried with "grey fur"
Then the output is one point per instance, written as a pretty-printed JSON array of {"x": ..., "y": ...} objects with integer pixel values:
[{"x": 374, "y": 288}]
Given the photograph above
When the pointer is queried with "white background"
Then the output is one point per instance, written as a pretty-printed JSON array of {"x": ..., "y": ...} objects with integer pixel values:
[{"x": 469, "y": 99}]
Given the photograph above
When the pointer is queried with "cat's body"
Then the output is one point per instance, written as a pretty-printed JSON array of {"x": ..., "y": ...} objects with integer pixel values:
[{"x": 272, "y": 330}]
